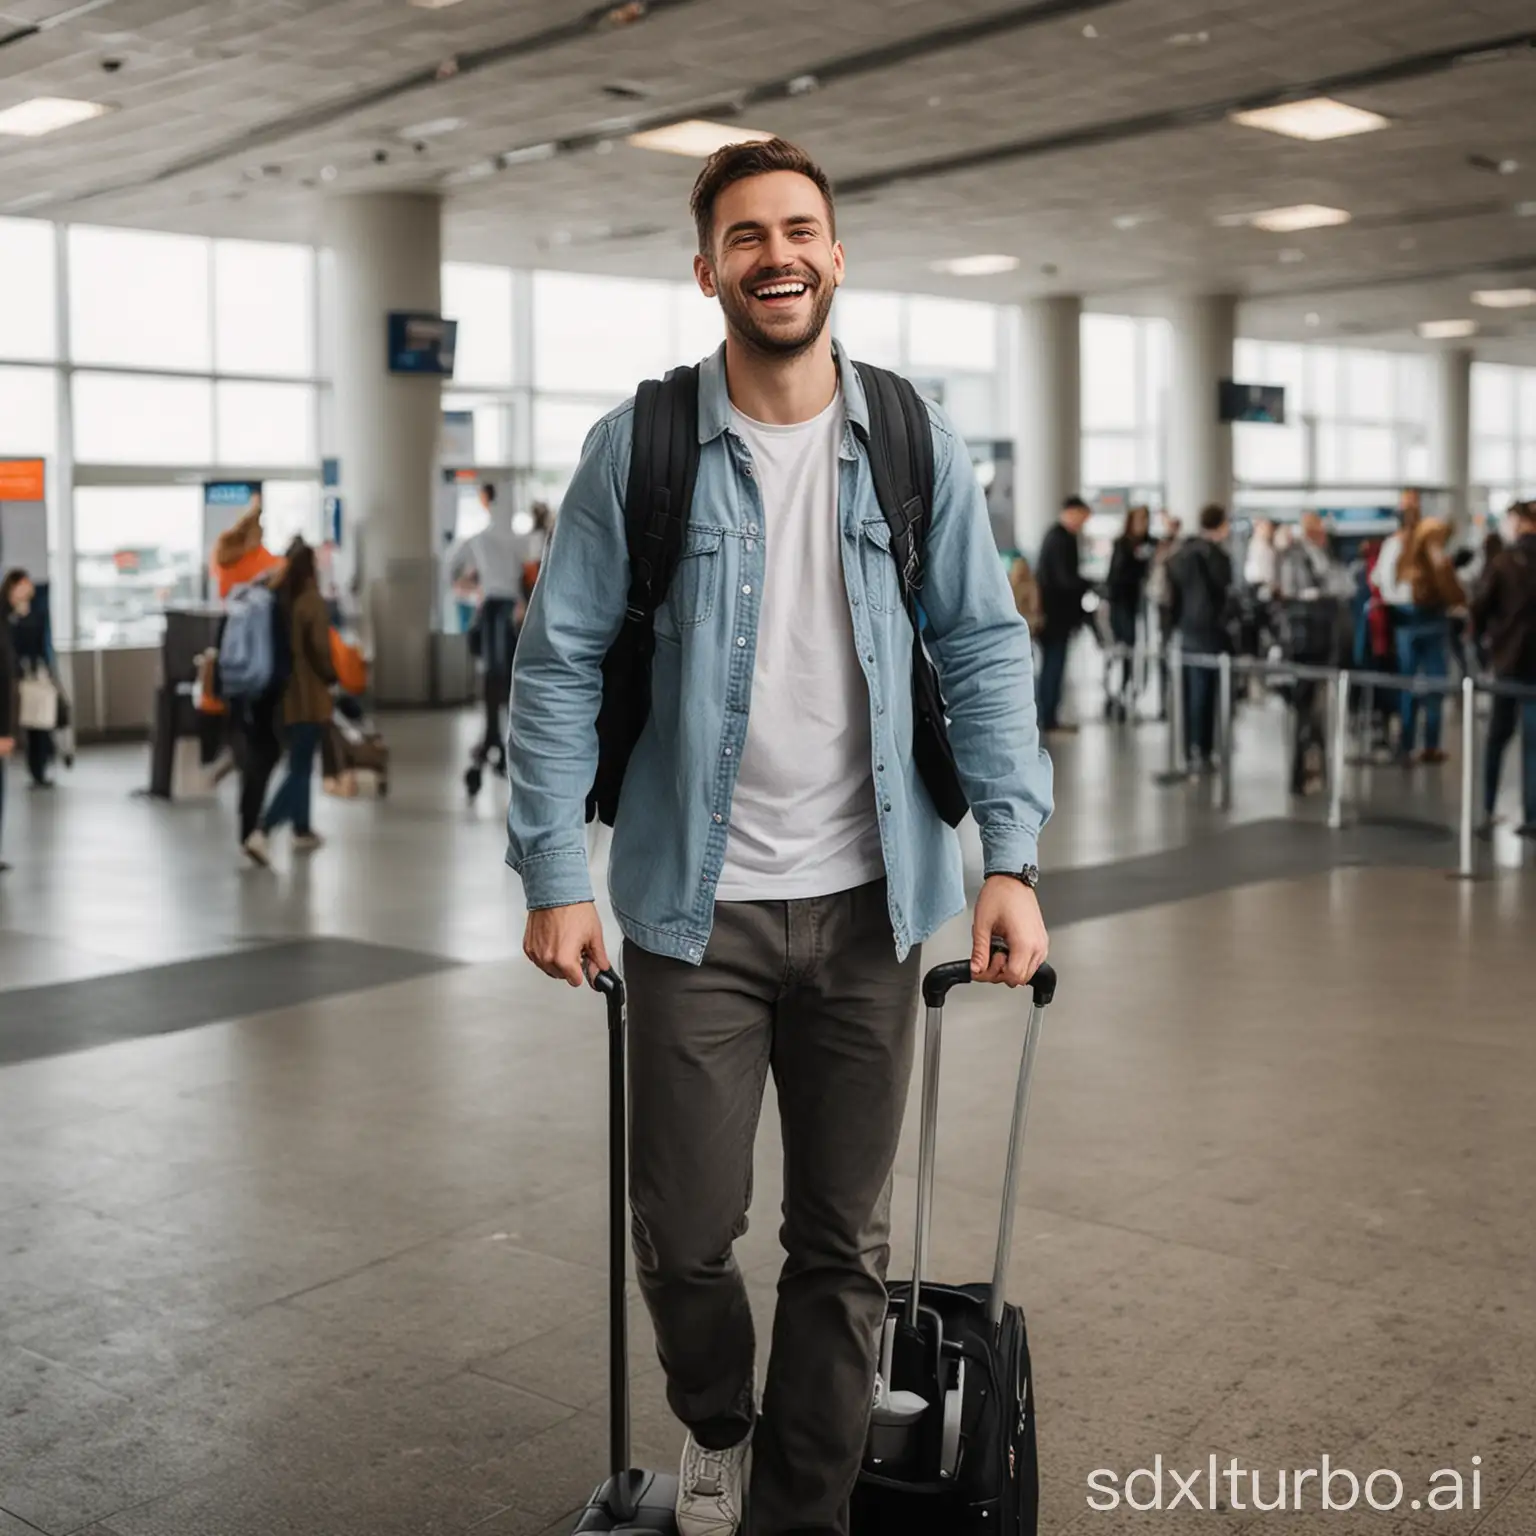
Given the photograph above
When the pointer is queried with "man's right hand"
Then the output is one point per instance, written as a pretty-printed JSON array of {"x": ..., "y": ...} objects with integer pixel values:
[
  {"x": 7, "y": 745},
  {"x": 562, "y": 941}
]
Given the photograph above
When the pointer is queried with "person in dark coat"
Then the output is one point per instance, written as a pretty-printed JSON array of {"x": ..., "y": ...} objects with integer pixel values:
[
  {"x": 15, "y": 597},
  {"x": 1504, "y": 620},
  {"x": 1200, "y": 604},
  {"x": 1130, "y": 563},
  {"x": 1062, "y": 590}
]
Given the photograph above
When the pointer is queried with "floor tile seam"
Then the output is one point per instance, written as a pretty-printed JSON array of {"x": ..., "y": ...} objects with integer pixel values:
[
  {"x": 569, "y": 1410},
  {"x": 74, "y": 1371},
  {"x": 11, "y": 1514},
  {"x": 515, "y": 1509}
]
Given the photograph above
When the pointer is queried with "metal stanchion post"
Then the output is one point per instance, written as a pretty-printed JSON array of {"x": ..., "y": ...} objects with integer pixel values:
[
  {"x": 1224, "y": 792},
  {"x": 1466, "y": 869},
  {"x": 1339, "y": 757},
  {"x": 1176, "y": 768},
  {"x": 1367, "y": 721}
]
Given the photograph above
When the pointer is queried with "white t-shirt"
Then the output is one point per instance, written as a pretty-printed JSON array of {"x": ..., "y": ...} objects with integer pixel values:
[{"x": 803, "y": 817}]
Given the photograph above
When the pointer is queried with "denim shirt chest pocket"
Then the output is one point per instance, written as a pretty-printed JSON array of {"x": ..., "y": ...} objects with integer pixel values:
[
  {"x": 690, "y": 599},
  {"x": 877, "y": 566}
]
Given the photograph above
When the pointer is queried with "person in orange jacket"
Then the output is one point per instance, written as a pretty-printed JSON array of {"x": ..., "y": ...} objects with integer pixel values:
[{"x": 239, "y": 555}]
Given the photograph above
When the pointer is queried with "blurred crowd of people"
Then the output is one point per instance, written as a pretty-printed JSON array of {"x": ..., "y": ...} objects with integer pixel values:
[{"x": 1405, "y": 605}]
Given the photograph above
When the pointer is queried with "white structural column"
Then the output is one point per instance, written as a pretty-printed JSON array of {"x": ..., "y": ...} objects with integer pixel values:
[
  {"x": 1450, "y": 429},
  {"x": 1049, "y": 414},
  {"x": 1199, "y": 459},
  {"x": 386, "y": 251}
]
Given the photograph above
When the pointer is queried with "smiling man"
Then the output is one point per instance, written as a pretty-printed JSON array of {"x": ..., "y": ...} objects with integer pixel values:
[{"x": 777, "y": 859}]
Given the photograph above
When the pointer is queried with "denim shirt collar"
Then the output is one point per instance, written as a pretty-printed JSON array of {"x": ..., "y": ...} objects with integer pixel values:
[{"x": 715, "y": 400}]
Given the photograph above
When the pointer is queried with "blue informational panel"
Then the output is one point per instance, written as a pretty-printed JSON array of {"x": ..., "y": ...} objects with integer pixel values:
[{"x": 420, "y": 343}]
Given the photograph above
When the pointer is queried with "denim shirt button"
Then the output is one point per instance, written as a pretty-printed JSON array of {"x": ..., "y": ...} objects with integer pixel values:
[
  {"x": 741, "y": 639},
  {"x": 751, "y": 527},
  {"x": 886, "y": 807},
  {"x": 719, "y": 818}
]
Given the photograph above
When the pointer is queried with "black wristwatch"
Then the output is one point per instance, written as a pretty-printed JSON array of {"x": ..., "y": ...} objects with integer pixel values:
[{"x": 1030, "y": 874}]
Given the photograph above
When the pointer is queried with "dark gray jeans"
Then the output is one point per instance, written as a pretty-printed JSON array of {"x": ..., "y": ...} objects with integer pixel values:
[{"x": 811, "y": 990}]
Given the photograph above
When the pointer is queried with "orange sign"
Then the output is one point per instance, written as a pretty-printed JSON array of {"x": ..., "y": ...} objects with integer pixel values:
[{"x": 21, "y": 480}]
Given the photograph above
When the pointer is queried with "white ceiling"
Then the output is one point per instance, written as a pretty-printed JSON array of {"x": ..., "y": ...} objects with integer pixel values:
[{"x": 198, "y": 80}]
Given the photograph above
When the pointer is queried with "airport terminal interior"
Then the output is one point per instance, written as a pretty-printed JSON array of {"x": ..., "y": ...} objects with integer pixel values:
[{"x": 304, "y": 1167}]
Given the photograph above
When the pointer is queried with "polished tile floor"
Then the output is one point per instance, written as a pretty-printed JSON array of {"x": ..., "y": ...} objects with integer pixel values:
[{"x": 331, "y": 1261}]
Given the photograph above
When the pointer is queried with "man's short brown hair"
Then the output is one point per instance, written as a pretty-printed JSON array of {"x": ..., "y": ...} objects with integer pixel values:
[
  {"x": 1213, "y": 517},
  {"x": 737, "y": 162}
]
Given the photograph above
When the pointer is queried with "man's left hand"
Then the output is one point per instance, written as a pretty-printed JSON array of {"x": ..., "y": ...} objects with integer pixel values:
[{"x": 1007, "y": 909}]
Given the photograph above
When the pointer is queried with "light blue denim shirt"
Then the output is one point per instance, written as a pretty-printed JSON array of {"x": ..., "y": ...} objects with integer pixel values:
[{"x": 674, "y": 814}]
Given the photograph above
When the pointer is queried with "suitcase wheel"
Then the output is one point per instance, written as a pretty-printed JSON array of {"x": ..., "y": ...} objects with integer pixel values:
[{"x": 473, "y": 778}]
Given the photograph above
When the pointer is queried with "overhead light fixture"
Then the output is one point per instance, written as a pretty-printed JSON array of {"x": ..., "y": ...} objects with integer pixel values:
[
  {"x": 1285, "y": 221},
  {"x": 1501, "y": 167},
  {"x": 433, "y": 5},
  {"x": 1525, "y": 210},
  {"x": 1504, "y": 298},
  {"x": 1313, "y": 318},
  {"x": 1189, "y": 39},
  {"x": 1290, "y": 256},
  {"x": 697, "y": 137},
  {"x": 975, "y": 266},
  {"x": 1315, "y": 119},
  {"x": 1446, "y": 330},
  {"x": 46, "y": 114},
  {"x": 433, "y": 128}
]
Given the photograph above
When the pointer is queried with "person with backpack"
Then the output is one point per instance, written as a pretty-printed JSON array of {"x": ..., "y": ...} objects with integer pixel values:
[
  {"x": 1062, "y": 590},
  {"x": 1504, "y": 621},
  {"x": 784, "y": 559},
  {"x": 300, "y": 698}
]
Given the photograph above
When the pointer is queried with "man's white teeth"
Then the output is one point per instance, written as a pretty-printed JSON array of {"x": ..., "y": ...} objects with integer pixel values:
[{"x": 781, "y": 291}]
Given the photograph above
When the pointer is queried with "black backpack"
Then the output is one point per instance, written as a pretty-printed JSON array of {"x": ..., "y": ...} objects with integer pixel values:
[{"x": 664, "y": 463}]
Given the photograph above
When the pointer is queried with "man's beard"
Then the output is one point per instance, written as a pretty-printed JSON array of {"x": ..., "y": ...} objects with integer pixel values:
[{"x": 737, "y": 306}]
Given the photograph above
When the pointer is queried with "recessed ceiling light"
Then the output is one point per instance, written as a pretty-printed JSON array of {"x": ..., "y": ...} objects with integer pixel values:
[
  {"x": 327, "y": 173},
  {"x": 433, "y": 128},
  {"x": 1317, "y": 118},
  {"x": 976, "y": 266},
  {"x": 1284, "y": 221},
  {"x": 433, "y": 5},
  {"x": 1290, "y": 256},
  {"x": 45, "y": 114},
  {"x": 1503, "y": 167},
  {"x": 1130, "y": 220},
  {"x": 1446, "y": 330},
  {"x": 1504, "y": 298},
  {"x": 1189, "y": 39},
  {"x": 1090, "y": 31},
  {"x": 1525, "y": 210},
  {"x": 697, "y": 137},
  {"x": 1313, "y": 318}
]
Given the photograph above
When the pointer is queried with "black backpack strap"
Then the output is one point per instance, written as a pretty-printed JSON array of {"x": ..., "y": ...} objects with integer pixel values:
[
  {"x": 900, "y": 447},
  {"x": 900, "y": 444},
  {"x": 663, "y": 465}
]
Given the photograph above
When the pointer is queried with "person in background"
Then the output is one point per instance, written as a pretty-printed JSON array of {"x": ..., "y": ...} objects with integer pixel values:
[
  {"x": 1159, "y": 594},
  {"x": 493, "y": 559},
  {"x": 32, "y": 647},
  {"x": 1260, "y": 570},
  {"x": 306, "y": 703},
  {"x": 1423, "y": 631},
  {"x": 1308, "y": 570},
  {"x": 239, "y": 556},
  {"x": 1504, "y": 621},
  {"x": 1200, "y": 590},
  {"x": 1130, "y": 563},
  {"x": 15, "y": 594},
  {"x": 1396, "y": 591},
  {"x": 1062, "y": 590}
]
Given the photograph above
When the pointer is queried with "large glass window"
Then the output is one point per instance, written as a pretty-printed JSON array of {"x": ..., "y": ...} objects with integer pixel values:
[
  {"x": 139, "y": 299},
  {"x": 29, "y": 412},
  {"x": 480, "y": 299},
  {"x": 290, "y": 509},
  {"x": 27, "y": 304},
  {"x": 138, "y": 549},
  {"x": 700, "y": 324},
  {"x": 1109, "y": 374},
  {"x": 602, "y": 333},
  {"x": 951, "y": 333},
  {"x": 1504, "y": 433},
  {"x": 263, "y": 308},
  {"x": 869, "y": 326},
  {"x": 266, "y": 424},
  {"x": 560, "y": 427},
  {"x": 131, "y": 419}
]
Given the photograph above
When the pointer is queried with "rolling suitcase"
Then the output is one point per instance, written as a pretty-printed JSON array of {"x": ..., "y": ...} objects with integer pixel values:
[
  {"x": 952, "y": 1437},
  {"x": 631, "y": 1500}
]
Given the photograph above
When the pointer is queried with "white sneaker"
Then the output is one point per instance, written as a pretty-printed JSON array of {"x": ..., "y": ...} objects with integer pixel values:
[
  {"x": 257, "y": 849},
  {"x": 710, "y": 1489},
  {"x": 307, "y": 842}
]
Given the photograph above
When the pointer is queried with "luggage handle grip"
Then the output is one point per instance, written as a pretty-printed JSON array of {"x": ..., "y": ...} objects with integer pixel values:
[{"x": 943, "y": 979}]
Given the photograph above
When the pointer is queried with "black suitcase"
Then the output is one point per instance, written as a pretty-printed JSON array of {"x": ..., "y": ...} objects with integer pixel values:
[
  {"x": 631, "y": 1500},
  {"x": 952, "y": 1439}
]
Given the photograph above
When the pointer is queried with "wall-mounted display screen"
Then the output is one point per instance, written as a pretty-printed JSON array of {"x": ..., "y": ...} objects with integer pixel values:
[{"x": 422, "y": 344}]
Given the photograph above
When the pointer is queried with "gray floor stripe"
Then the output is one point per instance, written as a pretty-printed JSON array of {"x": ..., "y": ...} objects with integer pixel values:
[{"x": 76, "y": 1015}]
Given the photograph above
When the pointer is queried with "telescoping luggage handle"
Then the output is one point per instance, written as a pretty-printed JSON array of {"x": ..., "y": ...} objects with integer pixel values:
[
  {"x": 611, "y": 985},
  {"x": 937, "y": 985}
]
